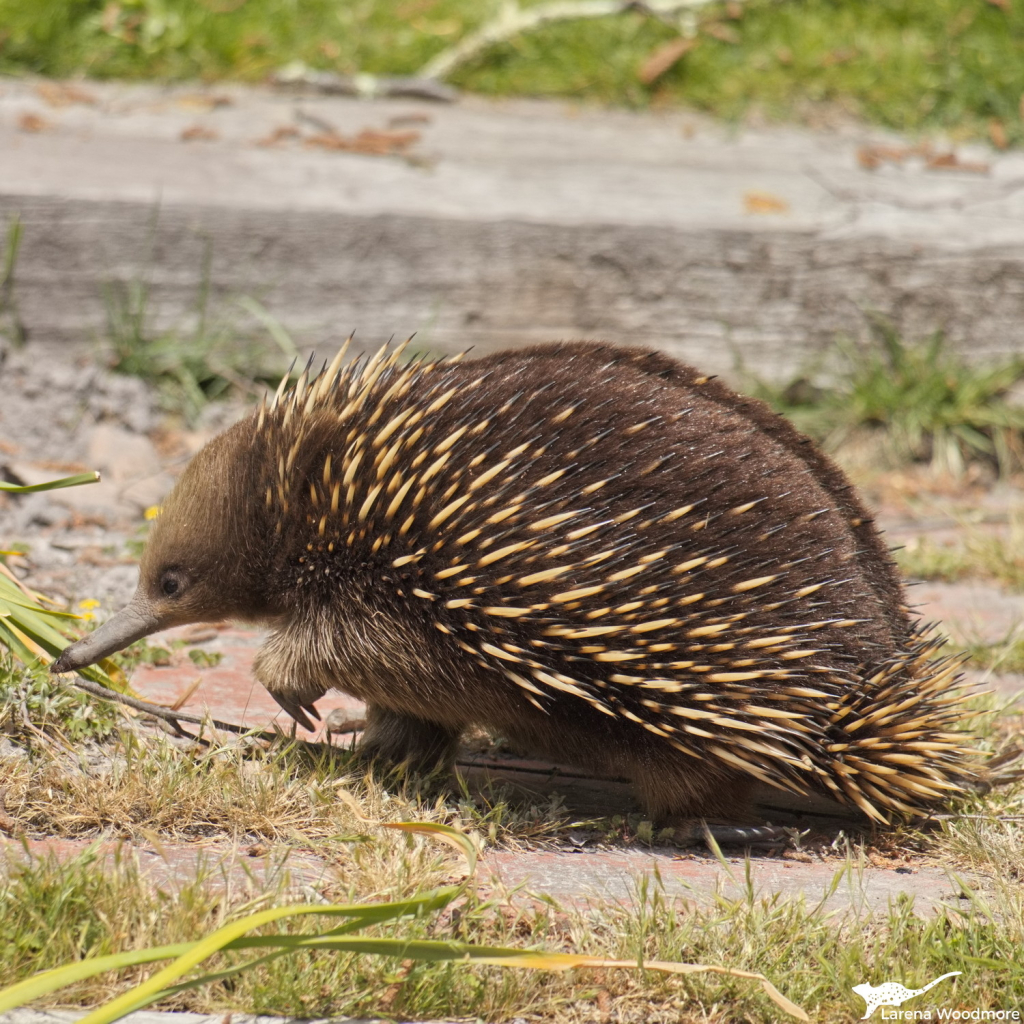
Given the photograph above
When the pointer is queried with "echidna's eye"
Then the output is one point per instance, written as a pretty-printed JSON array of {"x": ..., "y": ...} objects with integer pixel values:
[{"x": 170, "y": 584}]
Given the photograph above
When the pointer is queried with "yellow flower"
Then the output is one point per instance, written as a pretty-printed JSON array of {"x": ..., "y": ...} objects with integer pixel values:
[
  {"x": 152, "y": 512},
  {"x": 85, "y": 608}
]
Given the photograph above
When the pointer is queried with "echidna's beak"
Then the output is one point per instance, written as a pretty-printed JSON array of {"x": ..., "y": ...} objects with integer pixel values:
[{"x": 136, "y": 620}]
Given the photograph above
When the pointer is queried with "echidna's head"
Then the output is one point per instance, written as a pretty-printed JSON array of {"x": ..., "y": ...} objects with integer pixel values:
[{"x": 205, "y": 559}]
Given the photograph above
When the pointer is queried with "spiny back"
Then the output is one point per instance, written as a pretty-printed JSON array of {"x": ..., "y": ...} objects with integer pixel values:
[
  {"x": 577, "y": 461},
  {"x": 608, "y": 527}
]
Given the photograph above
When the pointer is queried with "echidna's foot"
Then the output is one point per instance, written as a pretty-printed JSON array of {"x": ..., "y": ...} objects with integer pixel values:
[{"x": 411, "y": 743}]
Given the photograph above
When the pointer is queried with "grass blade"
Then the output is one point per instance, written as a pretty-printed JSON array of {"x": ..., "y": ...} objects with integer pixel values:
[
  {"x": 223, "y": 937},
  {"x": 447, "y": 834},
  {"x": 51, "y": 485},
  {"x": 50, "y": 981}
]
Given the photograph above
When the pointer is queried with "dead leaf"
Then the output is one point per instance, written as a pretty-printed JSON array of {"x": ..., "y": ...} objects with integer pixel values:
[
  {"x": 723, "y": 33},
  {"x": 1003, "y": 5},
  {"x": 198, "y": 133},
  {"x": 764, "y": 202},
  {"x": 664, "y": 57},
  {"x": 187, "y": 695},
  {"x": 870, "y": 157},
  {"x": 951, "y": 162},
  {"x": 204, "y": 101},
  {"x": 33, "y": 123},
  {"x": 63, "y": 94},
  {"x": 997, "y": 133},
  {"x": 278, "y": 135},
  {"x": 368, "y": 142},
  {"x": 734, "y": 10},
  {"x": 840, "y": 56}
]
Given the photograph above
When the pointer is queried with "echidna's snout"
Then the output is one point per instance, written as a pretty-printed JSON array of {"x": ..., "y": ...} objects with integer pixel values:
[
  {"x": 137, "y": 619},
  {"x": 197, "y": 564}
]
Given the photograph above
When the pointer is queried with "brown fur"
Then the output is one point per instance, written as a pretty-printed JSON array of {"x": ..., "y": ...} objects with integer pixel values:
[{"x": 302, "y": 517}]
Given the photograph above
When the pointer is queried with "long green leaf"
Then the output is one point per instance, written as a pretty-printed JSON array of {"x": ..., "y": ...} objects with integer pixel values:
[
  {"x": 363, "y": 913},
  {"x": 140, "y": 995},
  {"x": 60, "y": 977},
  {"x": 28, "y": 630},
  {"x": 91, "y": 477}
]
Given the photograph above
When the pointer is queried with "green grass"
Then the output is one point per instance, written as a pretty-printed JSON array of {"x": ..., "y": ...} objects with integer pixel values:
[
  {"x": 975, "y": 554},
  {"x": 11, "y": 327},
  {"x": 1003, "y": 656},
  {"x": 34, "y": 705},
  {"x": 925, "y": 400},
  {"x": 193, "y": 365},
  {"x": 955, "y": 65}
]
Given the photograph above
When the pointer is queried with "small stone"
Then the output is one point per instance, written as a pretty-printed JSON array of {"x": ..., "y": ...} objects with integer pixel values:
[
  {"x": 122, "y": 457},
  {"x": 340, "y": 721}
]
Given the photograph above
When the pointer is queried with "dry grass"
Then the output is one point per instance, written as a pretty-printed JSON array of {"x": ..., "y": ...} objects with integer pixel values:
[{"x": 143, "y": 785}]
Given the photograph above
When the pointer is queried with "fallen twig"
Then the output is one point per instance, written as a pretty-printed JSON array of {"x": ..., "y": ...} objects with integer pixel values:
[
  {"x": 418, "y": 87},
  {"x": 513, "y": 20},
  {"x": 174, "y": 717}
]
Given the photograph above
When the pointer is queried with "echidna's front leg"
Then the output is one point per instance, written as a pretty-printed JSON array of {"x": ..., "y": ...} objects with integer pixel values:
[
  {"x": 288, "y": 679},
  {"x": 405, "y": 740}
]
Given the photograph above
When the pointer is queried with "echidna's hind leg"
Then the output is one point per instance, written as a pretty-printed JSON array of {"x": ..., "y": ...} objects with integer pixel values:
[
  {"x": 398, "y": 739},
  {"x": 703, "y": 802}
]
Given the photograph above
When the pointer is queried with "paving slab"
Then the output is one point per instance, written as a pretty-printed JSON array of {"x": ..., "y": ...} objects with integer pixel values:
[
  {"x": 498, "y": 223},
  {"x": 969, "y": 610},
  {"x": 578, "y": 877},
  {"x": 223, "y": 865},
  {"x": 583, "y": 875}
]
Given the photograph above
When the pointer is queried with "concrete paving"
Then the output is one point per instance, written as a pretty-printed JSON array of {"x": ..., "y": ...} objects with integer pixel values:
[
  {"x": 616, "y": 875},
  {"x": 495, "y": 223},
  {"x": 575, "y": 877}
]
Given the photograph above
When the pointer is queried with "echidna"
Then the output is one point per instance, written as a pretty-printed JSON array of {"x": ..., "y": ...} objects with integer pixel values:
[{"x": 603, "y": 555}]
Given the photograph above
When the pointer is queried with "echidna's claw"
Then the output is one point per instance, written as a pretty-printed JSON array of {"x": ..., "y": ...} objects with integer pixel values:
[
  {"x": 747, "y": 835},
  {"x": 296, "y": 710}
]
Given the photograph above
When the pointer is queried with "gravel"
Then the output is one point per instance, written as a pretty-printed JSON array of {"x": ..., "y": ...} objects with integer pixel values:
[{"x": 62, "y": 411}]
